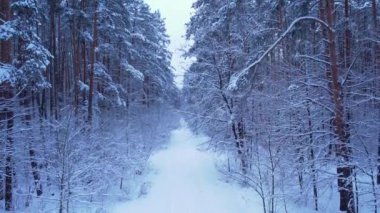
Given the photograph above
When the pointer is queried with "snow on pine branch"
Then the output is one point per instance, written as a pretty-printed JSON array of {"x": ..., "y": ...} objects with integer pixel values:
[
  {"x": 83, "y": 87},
  {"x": 25, "y": 4},
  {"x": 240, "y": 77},
  {"x": 7, "y": 30},
  {"x": 7, "y": 73},
  {"x": 138, "y": 36},
  {"x": 133, "y": 71}
]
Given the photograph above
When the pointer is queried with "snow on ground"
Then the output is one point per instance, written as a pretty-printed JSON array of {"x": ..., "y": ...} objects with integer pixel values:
[{"x": 185, "y": 180}]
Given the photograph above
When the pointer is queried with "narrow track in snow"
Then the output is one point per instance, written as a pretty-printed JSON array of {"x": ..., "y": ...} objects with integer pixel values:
[{"x": 186, "y": 181}]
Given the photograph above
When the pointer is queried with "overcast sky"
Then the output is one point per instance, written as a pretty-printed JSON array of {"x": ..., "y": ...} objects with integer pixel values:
[{"x": 176, "y": 14}]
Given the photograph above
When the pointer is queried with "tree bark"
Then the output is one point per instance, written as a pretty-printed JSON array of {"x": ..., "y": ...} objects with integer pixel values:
[
  {"x": 312, "y": 156},
  {"x": 344, "y": 169},
  {"x": 53, "y": 66},
  {"x": 376, "y": 31},
  {"x": 6, "y": 46},
  {"x": 6, "y": 114},
  {"x": 9, "y": 170},
  {"x": 92, "y": 59},
  {"x": 84, "y": 61},
  {"x": 347, "y": 35},
  {"x": 75, "y": 59},
  {"x": 238, "y": 132},
  {"x": 27, "y": 119}
]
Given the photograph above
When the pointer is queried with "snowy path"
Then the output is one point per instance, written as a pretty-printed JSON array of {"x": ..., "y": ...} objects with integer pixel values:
[{"x": 186, "y": 181}]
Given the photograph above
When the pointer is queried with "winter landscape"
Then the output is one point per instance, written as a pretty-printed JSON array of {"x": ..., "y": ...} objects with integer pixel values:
[{"x": 190, "y": 106}]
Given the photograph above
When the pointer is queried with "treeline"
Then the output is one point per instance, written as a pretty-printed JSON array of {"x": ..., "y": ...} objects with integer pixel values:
[
  {"x": 84, "y": 87},
  {"x": 290, "y": 91}
]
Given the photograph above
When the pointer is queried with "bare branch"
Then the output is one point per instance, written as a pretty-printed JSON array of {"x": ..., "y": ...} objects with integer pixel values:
[{"x": 314, "y": 59}]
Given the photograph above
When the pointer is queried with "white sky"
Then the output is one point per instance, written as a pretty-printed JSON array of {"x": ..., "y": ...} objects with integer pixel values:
[{"x": 176, "y": 14}]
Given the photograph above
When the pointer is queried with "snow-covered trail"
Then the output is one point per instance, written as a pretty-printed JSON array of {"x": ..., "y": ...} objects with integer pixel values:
[{"x": 186, "y": 181}]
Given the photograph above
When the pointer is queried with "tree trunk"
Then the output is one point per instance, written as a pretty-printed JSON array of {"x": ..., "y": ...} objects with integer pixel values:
[
  {"x": 75, "y": 66},
  {"x": 92, "y": 59},
  {"x": 84, "y": 61},
  {"x": 25, "y": 102},
  {"x": 346, "y": 51},
  {"x": 6, "y": 114},
  {"x": 6, "y": 46},
  {"x": 9, "y": 170},
  {"x": 53, "y": 66},
  {"x": 75, "y": 59},
  {"x": 237, "y": 130},
  {"x": 344, "y": 169},
  {"x": 311, "y": 136},
  {"x": 312, "y": 158},
  {"x": 376, "y": 31},
  {"x": 322, "y": 15}
]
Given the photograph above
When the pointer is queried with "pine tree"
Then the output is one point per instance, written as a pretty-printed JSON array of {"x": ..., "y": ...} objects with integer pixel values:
[{"x": 7, "y": 114}]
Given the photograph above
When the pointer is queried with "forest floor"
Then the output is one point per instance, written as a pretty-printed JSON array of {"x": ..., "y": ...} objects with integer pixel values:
[{"x": 185, "y": 180}]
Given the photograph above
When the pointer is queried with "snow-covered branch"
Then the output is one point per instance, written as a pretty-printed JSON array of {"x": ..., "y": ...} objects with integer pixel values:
[
  {"x": 233, "y": 84},
  {"x": 314, "y": 59}
]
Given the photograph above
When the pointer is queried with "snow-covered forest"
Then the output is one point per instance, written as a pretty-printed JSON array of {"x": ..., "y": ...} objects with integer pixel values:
[
  {"x": 284, "y": 97},
  {"x": 86, "y": 96},
  {"x": 289, "y": 91}
]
